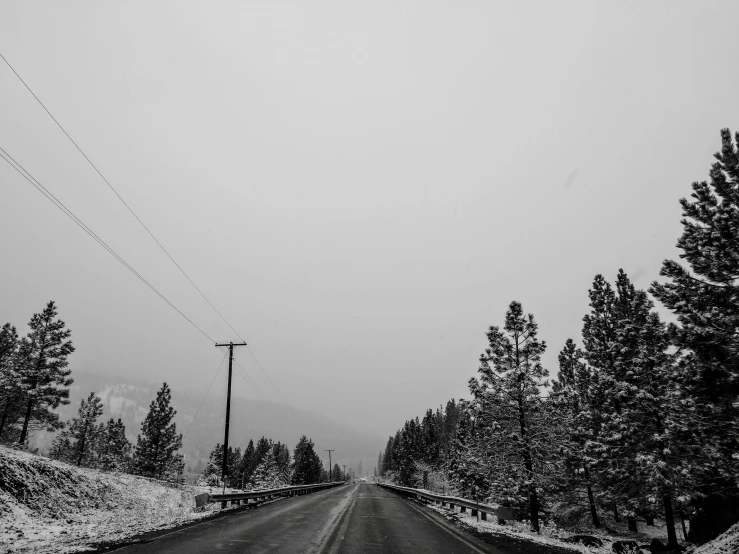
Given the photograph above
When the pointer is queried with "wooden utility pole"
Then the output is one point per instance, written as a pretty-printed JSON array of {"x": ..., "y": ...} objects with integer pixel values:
[
  {"x": 344, "y": 472},
  {"x": 330, "y": 469},
  {"x": 224, "y": 466}
]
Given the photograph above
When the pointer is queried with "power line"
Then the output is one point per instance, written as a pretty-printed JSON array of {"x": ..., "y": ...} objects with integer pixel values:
[
  {"x": 141, "y": 223},
  {"x": 204, "y": 397},
  {"x": 60, "y": 205}
]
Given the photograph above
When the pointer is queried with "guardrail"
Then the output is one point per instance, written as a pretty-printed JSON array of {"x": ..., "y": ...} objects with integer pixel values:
[
  {"x": 501, "y": 512},
  {"x": 245, "y": 496}
]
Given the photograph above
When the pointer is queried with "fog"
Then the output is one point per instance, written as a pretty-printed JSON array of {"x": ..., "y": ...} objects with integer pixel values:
[{"x": 360, "y": 189}]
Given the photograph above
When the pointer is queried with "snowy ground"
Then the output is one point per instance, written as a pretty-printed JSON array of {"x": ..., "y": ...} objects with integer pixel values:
[
  {"x": 50, "y": 506},
  {"x": 553, "y": 536},
  {"x": 728, "y": 543}
]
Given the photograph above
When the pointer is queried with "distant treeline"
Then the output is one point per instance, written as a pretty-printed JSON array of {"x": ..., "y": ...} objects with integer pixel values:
[
  {"x": 269, "y": 465},
  {"x": 643, "y": 419}
]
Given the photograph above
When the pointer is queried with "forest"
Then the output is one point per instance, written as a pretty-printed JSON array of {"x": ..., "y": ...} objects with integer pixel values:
[{"x": 642, "y": 419}]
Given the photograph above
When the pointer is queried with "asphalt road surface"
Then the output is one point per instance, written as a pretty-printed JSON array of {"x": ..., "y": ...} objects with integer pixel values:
[{"x": 362, "y": 518}]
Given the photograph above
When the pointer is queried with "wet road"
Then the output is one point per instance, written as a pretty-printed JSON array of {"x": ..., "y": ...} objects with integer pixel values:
[{"x": 354, "y": 518}]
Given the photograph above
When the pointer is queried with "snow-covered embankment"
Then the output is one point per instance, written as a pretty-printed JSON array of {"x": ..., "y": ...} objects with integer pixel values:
[{"x": 50, "y": 506}]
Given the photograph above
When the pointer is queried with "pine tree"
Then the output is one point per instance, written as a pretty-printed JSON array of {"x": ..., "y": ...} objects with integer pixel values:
[
  {"x": 267, "y": 474},
  {"x": 214, "y": 467},
  {"x": 113, "y": 449},
  {"x": 571, "y": 398},
  {"x": 11, "y": 393},
  {"x": 83, "y": 430},
  {"x": 307, "y": 466},
  {"x": 707, "y": 307},
  {"x": 511, "y": 420},
  {"x": 282, "y": 456},
  {"x": 44, "y": 374},
  {"x": 158, "y": 441},
  {"x": 336, "y": 473},
  {"x": 639, "y": 456},
  {"x": 60, "y": 447},
  {"x": 248, "y": 464}
]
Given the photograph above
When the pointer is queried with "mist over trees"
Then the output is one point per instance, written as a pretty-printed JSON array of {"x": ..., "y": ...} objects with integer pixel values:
[{"x": 642, "y": 421}]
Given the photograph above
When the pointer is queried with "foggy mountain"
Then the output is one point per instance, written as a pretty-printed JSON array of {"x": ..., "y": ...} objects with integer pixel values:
[{"x": 129, "y": 399}]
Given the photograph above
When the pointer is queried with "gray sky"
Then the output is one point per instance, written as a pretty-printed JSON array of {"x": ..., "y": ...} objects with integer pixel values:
[{"x": 360, "y": 188}]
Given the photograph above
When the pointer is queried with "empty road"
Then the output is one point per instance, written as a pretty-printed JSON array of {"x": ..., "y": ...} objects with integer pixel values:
[{"x": 362, "y": 518}]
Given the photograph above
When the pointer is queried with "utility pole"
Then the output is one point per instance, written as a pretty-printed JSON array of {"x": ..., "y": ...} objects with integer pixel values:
[
  {"x": 344, "y": 472},
  {"x": 330, "y": 469},
  {"x": 224, "y": 466}
]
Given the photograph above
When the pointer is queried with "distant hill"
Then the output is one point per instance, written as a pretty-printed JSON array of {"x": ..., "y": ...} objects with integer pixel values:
[{"x": 129, "y": 399}]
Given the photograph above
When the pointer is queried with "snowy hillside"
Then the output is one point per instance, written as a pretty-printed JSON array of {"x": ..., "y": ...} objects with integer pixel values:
[{"x": 49, "y": 506}]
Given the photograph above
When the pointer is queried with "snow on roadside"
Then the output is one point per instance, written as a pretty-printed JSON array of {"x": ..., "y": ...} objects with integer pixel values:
[
  {"x": 550, "y": 536},
  {"x": 50, "y": 506},
  {"x": 728, "y": 543}
]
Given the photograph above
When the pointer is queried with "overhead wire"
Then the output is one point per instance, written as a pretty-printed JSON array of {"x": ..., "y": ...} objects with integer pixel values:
[
  {"x": 63, "y": 208},
  {"x": 204, "y": 397},
  {"x": 112, "y": 188}
]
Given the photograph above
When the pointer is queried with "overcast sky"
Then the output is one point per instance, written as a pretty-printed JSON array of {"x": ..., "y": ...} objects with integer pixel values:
[{"x": 360, "y": 188}]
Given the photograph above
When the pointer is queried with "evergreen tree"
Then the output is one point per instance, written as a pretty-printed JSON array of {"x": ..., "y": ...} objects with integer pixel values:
[
  {"x": 44, "y": 375},
  {"x": 214, "y": 467},
  {"x": 60, "y": 447},
  {"x": 11, "y": 393},
  {"x": 307, "y": 466},
  {"x": 83, "y": 430},
  {"x": 158, "y": 441},
  {"x": 707, "y": 307},
  {"x": 336, "y": 474},
  {"x": 248, "y": 464},
  {"x": 267, "y": 473},
  {"x": 571, "y": 398},
  {"x": 234, "y": 464},
  {"x": 112, "y": 448},
  {"x": 282, "y": 456},
  {"x": 639, "y": 456},
  {"x": 511, "y": 424}
]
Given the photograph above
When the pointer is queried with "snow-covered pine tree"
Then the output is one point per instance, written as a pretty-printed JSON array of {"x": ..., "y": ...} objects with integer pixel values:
[
  {"x": 158, "y": 440},
  {"x": 637, "y": 406},
  {"x": 112, "y": 448},
  {"x": 307, "y": 466},
  {"x": 706, "y": 302},
  {"x": 267, "y": 474},
  {"x": 387, "y": 457},
  {"x": 570, "y": 398},
  {"x": 234, "y": 464},
  {"x": 512, "y": 432},
  {"x": 618, "y": 480},
  {"x": 60, "y": 447},
  {"x": 248, "y": 464},
  {"x": 83, "y": 430},
  {"x": 44, "y": 375},
  {"x": 11, "y": 393},
  {"x": 214, "y": 467}
]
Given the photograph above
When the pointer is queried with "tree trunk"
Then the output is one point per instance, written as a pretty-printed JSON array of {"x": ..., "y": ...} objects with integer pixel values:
[
  {"x": 632, "y": 524},
  {"x": 24, "y": 431},
  {"x": 529, "y": 464},
  {"x": 591, "y": 500},
  {"x": 5, "y": 417},
  {"x": 649, "y": 519},
  {"x": 615, "y": 513},
  {"x": 669, "y": 520},
  {"x": 82, "y": 448}
]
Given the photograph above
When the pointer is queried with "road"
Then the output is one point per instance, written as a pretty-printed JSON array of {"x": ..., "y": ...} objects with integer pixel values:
[{"x": 354, "y": 518}]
